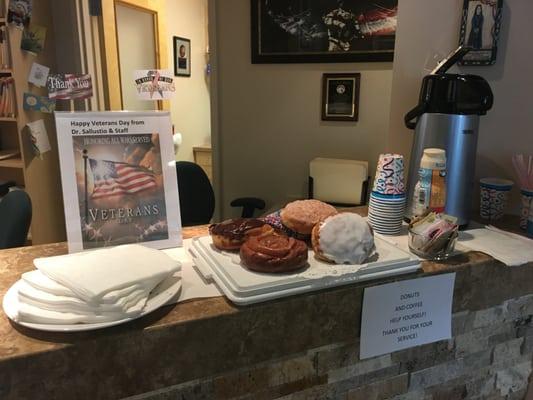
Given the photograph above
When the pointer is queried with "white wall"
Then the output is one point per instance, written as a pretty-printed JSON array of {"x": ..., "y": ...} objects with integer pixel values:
[
  {"x": 269, "y": 116},
  {"x": 190, "y": 108},
  {"x": 425, "y": 27}
]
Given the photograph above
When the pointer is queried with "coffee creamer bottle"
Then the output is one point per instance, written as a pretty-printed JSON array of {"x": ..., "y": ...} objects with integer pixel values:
[{"x": 430, "y": 190}]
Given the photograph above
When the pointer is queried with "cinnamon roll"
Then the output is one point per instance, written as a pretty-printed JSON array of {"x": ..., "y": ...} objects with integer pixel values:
[{"x": 273, "y": 253}]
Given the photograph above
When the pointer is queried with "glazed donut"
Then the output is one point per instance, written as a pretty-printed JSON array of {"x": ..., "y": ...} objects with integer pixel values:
[
  {"x": 345, "y": 238},
  {"x": 302, "y": 215},
  {"x": 231, "y": 234},
  {"x": 273, "y": 253}
]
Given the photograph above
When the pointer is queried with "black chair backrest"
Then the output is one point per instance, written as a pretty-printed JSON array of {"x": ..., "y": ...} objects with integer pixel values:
[
  {"x": 15, "y": 219},
  {"x": 197, "y": 199}
]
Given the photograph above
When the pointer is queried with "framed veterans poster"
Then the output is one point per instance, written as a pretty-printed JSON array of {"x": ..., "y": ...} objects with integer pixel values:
[
  {"x": 119, "y": 179},
  {"x": 340, "y": 97}
]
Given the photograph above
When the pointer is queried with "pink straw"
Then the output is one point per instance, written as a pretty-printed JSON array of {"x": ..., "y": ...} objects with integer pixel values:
[{"x": 524, "y": 170}]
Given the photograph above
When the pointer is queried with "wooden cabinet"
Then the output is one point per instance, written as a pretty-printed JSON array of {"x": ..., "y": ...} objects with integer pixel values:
[
  {"x": 40, "y": 177},
  {"x": 203, "y": 157}
]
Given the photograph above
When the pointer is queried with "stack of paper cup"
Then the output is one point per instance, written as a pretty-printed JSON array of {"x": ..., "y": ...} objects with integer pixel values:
[{"x": 387, "y": 200}]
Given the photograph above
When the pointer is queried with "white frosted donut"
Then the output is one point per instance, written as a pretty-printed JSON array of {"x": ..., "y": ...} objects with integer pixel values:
[{"x": 344, "y": 238}]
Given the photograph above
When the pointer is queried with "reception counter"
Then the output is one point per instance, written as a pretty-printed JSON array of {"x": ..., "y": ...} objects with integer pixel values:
[{"x": 301, "y": 347}]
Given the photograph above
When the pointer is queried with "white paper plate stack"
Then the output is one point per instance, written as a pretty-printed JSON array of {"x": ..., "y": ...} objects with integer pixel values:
[{"x": 93, "y": 289}]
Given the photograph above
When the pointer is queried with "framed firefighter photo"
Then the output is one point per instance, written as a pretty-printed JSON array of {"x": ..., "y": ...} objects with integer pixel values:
[
  {"x": 340, "y": 97},
  {"x": 119, "y": 179},
  {"x": 323, "y": 31}
]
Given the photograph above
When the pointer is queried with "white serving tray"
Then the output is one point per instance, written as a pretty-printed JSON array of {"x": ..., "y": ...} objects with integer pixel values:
[{"x": 243, "y": 286}]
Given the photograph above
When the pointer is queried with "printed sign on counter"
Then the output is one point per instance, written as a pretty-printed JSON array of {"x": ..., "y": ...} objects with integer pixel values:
[
  {"x": 119, "y": 179},
  {"x": 405, "y": 314}
]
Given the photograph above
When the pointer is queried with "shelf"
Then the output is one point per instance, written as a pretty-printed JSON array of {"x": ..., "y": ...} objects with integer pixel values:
[
  {"x": 8, "y": 119},
  {"x": 15, "y": 162},
  {"x": 6, "y": 71}
]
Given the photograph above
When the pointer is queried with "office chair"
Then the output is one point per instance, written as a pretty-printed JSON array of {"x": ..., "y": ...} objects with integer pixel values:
[
  {"x": 15, "y": 219},
  {"x": 197, "y": 199}
]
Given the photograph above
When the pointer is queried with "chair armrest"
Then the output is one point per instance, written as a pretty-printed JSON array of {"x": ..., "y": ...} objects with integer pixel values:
[{"x": 249, "y": 205}]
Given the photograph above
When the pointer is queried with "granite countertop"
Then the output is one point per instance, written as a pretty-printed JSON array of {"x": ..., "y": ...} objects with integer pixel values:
[
  {"x": 13, "y": 339},
  {"x": 17, "y": 341},
  {"x": 208, "y": 335}
]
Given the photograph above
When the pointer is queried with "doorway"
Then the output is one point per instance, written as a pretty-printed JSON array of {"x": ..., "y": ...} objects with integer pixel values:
[{"x": 134, "y": 37}]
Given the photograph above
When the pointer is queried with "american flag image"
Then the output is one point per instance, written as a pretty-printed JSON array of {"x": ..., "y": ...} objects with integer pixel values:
[
  {"x": 116, "y": 178},
  {"x": 69, "y": 86}
]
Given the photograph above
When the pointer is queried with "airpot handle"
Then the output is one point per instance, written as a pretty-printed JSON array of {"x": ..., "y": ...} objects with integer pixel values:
[{"x": 411, "y": 117}]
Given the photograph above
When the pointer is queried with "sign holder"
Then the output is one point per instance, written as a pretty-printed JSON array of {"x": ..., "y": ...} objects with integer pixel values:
[{"x": 119, "y": 179}]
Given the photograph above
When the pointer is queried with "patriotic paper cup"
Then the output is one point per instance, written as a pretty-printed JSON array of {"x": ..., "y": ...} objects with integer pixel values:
[{"x": 389, "y": 177}]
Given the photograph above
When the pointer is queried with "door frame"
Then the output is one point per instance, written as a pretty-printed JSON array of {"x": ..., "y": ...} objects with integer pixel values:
[{"x": 110, "y": 40}]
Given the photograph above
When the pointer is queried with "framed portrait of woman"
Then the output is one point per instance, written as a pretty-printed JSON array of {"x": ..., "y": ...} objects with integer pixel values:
[{"x": 480, "y": 30}]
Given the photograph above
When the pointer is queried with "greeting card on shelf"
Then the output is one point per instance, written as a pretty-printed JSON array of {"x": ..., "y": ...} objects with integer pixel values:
[
  {"x": 19, "y": 13},
  {"x": 38, "y": 75},
  {"x": 43, "y": 104},
  {"x": 33, "y": 38},
  {"x": 39, "y": 138}
]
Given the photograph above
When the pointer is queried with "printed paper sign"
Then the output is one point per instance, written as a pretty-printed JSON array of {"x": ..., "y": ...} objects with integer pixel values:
[
  {"x": 406, "y": 314},
  {"x": 39, "y": 138},
  {"x": 33, "y": 38},
  {"x": 155, "y": 84},
  {"x": 38, "y": 103},
  {"x": 19, "y": 13},
  {"x": 119, "y": 179},
  {"x": 38, "y": 75},
  {"x": 69, "y": 86}
]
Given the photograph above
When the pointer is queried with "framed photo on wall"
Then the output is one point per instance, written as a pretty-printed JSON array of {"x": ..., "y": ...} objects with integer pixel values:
[
  {"x": 306, "y": 31},
  {"x": 480, "y": 30},
  {"x": 340, "y": 97},
  {"x": 182, "y": 56}
]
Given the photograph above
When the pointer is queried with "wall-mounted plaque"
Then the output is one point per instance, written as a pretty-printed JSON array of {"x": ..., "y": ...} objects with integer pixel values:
[{"x": 340, "y": 97}]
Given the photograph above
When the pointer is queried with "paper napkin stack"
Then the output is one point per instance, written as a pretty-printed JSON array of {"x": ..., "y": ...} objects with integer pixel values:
[{"x": 98, "y": 286}]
